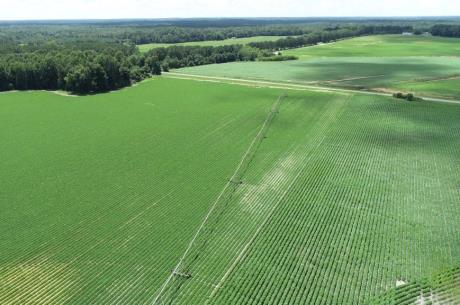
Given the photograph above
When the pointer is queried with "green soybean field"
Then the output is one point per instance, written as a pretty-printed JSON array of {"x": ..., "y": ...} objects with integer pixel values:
[{"x": 191, "y": 192}]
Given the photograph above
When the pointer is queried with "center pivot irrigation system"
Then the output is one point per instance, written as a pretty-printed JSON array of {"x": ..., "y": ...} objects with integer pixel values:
[{"x": 182, "y": 271}]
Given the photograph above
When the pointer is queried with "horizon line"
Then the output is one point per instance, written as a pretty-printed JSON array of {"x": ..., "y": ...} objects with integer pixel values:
[{"x": 230, "y": 18}]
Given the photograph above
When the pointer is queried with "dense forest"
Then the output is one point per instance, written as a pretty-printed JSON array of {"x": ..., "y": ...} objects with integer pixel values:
[
  {"x": 90, "y": 57},
  {"x": 74, "y": 70},
  {"x": 446, "y": 30},
  {"x": 104, "y": 69},
  {"x": 142, "y": 34}
]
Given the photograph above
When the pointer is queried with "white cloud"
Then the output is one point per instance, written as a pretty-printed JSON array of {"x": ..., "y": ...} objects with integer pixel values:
[{"x": 89, "y": 9}]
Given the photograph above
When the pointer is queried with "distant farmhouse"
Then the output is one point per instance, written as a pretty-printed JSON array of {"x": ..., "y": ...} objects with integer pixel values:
[{"x": 407, "y": 33}]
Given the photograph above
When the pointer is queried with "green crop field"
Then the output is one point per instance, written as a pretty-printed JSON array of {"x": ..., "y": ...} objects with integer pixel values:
[
  {"x": 309, "y": 198},
  {"x": 100, "y": 194},
  {"x": 371, "y": 71},
  {"x": 362, "y": 196},
  {"x": 210, "y": 43},
  {"x": 383, "y": 46},
  {"x": 370, "y": 63},
  {"x": 442, "y": 88}
]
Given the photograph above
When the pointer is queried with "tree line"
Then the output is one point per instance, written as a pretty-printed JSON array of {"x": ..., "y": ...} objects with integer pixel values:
[
  {"x": 446, "y": 30},
  {"x": 92, "y": 71},
  {"x": 187, "y": 56},
  {"x": 328, "y": 35},
  {"x": 179, "y": 34},
  {"x": 29, "y": 34},
  {"x": 78, "y": 71}
]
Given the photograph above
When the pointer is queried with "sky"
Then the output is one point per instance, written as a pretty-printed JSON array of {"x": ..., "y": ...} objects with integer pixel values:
[{"x": 114, "y": 9}]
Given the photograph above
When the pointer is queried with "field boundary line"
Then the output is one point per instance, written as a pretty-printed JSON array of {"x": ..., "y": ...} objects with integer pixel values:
[
  {"x": 292, "y": 86},
  {"x": 347, "y": 79},
  {"x": 213, "y": 206}
]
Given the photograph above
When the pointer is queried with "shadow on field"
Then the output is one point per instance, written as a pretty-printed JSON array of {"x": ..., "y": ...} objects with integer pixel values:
[
  {"x": 388, "y": 72},
  {"x": 393, "y": 124}
]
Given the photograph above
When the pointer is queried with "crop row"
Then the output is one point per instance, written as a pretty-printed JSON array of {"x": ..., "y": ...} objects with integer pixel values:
[
  {"x": 149, "y": 181},
  {"x": 368, "y": 200},
  {"x": 257, "y": 197}
]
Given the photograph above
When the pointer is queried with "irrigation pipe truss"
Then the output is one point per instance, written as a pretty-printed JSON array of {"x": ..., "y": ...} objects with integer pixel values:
[{"x": 213, "y": 206}]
